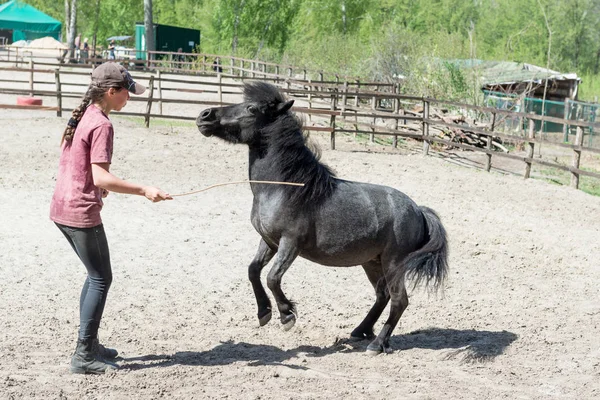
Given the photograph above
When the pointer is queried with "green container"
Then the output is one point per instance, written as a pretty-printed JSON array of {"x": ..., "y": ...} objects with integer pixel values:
[{"x": 167, "y": 38}]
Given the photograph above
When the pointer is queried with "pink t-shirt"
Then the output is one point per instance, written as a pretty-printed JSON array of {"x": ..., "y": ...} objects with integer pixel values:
[{"x": 77, "y": 201}]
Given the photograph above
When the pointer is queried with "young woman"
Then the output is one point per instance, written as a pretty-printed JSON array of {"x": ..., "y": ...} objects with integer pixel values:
[{"x": 83, "y": 180}]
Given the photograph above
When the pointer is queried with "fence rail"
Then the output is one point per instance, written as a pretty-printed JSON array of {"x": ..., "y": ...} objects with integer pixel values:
[{"x": 339, "y": 107}]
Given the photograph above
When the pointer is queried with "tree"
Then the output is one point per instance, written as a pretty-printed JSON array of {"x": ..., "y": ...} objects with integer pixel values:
[
  {"x": 149, "y": 28},
  {"x": 71, "y": 26}
]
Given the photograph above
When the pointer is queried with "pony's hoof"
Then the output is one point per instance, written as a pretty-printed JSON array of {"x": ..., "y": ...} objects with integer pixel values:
[
  {"x": 374, "y": 349},
  {"x": 288, "y": 322},
  {"x": 265, "y": 318},
  {"x": 355, "y": 336},
  {"x": 372, "y": 353}
]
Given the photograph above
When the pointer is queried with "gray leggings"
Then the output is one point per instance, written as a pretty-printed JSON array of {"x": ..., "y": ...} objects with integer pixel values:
[{"x": 91, "y": 247}]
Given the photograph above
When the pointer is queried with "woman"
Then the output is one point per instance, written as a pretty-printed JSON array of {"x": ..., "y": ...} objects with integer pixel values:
[{"x": 83, "y": 180}]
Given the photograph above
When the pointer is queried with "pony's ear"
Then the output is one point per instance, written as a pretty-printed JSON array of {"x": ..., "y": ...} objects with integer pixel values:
[{"x": 283, "y": 107}]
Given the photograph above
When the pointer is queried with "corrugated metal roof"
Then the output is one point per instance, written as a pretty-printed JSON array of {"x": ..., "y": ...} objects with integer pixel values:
[{"x": 507, "y": 72}]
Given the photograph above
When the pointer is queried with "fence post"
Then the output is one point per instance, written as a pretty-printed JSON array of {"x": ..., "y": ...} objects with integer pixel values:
[
  {"x": 277, "y": 72},
  {"x": 344, "y": 97},
  {"x": 357, "y": 91},
  {"x": 31, "y": 77},
  {"x": 577, "y": 157},
  {"x": 397, "y": 112},
  {"x": 372, "y": 135},
  {"x": 373, "y": 107},
  {"x": 58, "y": 93},
  {"x": 160, "y": 110},
  {"x": 204, "y": 63},
  {"x": 332, "y": 120},
  {"x": 149, "y": 105},
  {"x": 252, "y": 69},
  {"x": 309, "y": 100},
  {"x": 565, "y": 125},
  {"x": 488, "y": 146},
  {"x": 242, "y": 68},
  {"x": 220, "y": 87},
  {"x": 530, "y": 147},
  {"x": 425, "y": 127}
]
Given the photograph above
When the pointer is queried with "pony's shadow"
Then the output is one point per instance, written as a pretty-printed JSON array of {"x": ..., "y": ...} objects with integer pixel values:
[
  {"x": 466, "y": 346},
  {"x": 225, "y": 353}
]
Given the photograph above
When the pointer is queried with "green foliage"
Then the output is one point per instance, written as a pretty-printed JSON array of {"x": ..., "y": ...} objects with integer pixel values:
[
  {"x": 373, "y": 38},
  {"x": 589, "y": 89}
]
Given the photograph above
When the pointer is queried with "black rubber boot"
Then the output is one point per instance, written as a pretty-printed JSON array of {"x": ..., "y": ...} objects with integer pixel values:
[
  {"x": 86, "y": 360},
  {"x": 104, "y": 352}
]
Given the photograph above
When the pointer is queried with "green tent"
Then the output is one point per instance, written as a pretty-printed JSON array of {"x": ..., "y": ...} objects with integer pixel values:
[{"x": 27, "y": 22}]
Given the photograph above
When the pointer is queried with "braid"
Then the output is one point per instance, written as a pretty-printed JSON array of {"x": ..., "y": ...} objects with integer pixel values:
[{"x": 93, "y": 94}]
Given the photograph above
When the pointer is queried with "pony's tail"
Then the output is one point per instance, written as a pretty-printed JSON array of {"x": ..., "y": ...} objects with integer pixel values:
[{"x": 430, "y": 262}]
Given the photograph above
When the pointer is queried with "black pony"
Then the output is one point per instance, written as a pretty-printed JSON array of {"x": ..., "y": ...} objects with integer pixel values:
[{"x": 330, "y": 221}]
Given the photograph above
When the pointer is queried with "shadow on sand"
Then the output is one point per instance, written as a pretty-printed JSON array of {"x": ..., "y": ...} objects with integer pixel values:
[{"x": 464, "y": 345}]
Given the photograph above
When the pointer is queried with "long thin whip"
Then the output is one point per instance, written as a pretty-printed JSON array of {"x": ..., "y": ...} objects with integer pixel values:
[{"x": 238, "y": 182}]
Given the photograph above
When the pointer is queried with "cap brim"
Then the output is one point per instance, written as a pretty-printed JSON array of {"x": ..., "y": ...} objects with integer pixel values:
[
  {"x": 137, "y": 88},
  {"x": 132, "y": 85}
]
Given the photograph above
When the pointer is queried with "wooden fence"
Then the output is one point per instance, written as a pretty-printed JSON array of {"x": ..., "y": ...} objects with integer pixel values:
[
  {"x": 195, "y": 63},
  {"x": 339, "y": 107}
]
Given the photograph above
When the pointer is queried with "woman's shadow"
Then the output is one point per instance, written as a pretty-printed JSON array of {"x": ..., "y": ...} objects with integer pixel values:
[{"x": 464, "y": 345}]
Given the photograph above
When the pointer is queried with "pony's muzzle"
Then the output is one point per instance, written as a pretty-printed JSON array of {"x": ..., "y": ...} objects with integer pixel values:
[
  {"x": 207, "y": 115},
  {"x": 205, "y": 120}
]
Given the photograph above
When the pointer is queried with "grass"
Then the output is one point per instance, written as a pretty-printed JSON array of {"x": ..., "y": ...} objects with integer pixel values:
[{"x": 587, "y": 184}]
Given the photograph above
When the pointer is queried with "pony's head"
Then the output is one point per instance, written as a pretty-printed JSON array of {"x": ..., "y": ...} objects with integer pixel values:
[{"x": 243, "y": 123}]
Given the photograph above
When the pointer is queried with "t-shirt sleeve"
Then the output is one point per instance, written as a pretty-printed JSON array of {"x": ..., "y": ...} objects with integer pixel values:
[{"x": 101, "y": 146}]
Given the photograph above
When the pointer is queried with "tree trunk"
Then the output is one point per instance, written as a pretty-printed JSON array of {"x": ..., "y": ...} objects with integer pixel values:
[
  {"x": 236, "y": 24},
  {"x": 67, "y": 19},
  {"x": 96, "y": 27},
  {"x": 149, "y": 27},
  {"x": 262, "y": 39},
  {"x": 344, "y": 17},
  {"x": 71, "y": 26},
  {"x": 272, "y": 11}
]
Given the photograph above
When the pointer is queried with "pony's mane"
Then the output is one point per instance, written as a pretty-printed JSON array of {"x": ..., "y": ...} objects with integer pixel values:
[
  {"x": 262, "y": 92},
  {"x": 289, "y": 150}
]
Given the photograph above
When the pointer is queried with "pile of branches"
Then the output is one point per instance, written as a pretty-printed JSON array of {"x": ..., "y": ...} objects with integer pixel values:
[{"x": 464, "y": 135}]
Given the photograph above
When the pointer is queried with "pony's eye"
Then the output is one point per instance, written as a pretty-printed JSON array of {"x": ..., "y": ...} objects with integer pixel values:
[{"x": 251, "y": 109}]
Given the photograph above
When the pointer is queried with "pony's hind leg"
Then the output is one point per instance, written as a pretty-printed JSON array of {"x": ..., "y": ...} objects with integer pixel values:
[
  {"x": 286, "y": 254},
  {"x": 375, "y": 274},
  {"x": 398, "y": 303},
  {"x": 263, "y": 255}
]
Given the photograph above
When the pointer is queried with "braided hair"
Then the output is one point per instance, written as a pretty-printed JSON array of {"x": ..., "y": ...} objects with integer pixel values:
[{"x": 93, "y": 94}]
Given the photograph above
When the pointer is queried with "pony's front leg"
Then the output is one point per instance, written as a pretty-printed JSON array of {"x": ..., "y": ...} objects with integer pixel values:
[
  {"x": 286, "y": 254},
  {"x": 262, "y": 258}
]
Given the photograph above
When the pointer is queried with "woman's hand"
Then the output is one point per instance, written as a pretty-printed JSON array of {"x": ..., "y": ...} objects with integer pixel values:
[
  {"x": 107, "y": 181},
  {"x": 155, "y": 194}
]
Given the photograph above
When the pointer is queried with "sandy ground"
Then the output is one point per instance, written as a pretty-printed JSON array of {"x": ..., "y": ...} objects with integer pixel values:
[{"x": 519, "y": 317}]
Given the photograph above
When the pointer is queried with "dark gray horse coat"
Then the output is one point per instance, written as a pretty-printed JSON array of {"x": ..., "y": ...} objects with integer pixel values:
[{"x": 329, "y": 221}]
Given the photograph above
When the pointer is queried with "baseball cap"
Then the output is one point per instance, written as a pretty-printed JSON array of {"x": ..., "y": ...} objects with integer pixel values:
[{"x": 111, "y": 74}]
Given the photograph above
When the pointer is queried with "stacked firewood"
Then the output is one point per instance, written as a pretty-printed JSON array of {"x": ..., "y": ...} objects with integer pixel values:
[{"x": 462, "y": 134}]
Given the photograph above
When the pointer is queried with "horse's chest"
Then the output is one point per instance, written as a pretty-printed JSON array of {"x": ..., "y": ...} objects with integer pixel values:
[{"x": 269, "y": 217}]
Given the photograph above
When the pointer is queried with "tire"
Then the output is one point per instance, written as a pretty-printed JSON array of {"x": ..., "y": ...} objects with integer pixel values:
[{"x": 29, "y": 101}]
